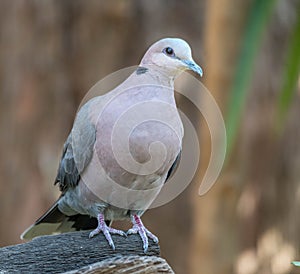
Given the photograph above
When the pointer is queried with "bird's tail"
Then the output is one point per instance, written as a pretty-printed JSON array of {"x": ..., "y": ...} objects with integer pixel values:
[{"x": 55, "y": 222}]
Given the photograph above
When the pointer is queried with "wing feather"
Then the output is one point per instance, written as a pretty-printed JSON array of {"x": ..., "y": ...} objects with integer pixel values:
[{"x": 77, "y": 151}]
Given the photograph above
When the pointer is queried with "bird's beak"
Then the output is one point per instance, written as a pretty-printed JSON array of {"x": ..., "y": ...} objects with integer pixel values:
[{"x": 193, "y": 66}]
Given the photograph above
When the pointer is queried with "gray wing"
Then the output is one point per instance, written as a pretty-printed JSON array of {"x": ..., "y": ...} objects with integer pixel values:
[
  {"x": 173, "y": 167},
  {"x": 77, "y": 151}
]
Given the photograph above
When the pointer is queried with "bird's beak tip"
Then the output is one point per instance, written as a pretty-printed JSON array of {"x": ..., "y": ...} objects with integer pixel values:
[
  {"x": 201, "y": 73},
  {"x": 194, "y": 67}
]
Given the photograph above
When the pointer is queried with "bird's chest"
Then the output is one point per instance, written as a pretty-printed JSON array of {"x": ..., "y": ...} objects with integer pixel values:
[
  {"x": 138, "y": 134},
  {"x": 154, "y": 141}
]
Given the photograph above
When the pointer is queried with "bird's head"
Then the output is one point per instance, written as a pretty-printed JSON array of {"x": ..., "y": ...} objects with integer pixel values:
[{"x": 171, "y": 56}]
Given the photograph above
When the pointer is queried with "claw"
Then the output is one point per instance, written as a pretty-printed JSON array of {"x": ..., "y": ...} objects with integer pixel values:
[
  {"x": 138, "y": 227},
  {"x": 106, "y": 230}
]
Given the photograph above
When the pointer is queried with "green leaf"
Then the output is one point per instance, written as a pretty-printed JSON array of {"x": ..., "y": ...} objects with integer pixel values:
[
  {"x": 255, "y": 27},
  {"x": 290, "y": 75}
]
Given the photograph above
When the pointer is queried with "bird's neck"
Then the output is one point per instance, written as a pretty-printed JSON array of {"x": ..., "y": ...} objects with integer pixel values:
[
  {"x": 159, "y": 75},
  {"x": 162, "y": 85}
]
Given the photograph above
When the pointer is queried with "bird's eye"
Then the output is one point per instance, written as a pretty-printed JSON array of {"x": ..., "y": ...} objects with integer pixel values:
[{"x": 169, "y": 51}]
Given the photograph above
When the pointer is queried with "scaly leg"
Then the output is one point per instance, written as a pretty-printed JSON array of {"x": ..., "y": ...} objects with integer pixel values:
[
  {"x": 144, "y": 233},
  {"x": 106, "y": 230}
]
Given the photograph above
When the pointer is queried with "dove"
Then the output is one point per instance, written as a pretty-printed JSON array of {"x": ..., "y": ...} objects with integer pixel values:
[{"x": 123, "y": 147}]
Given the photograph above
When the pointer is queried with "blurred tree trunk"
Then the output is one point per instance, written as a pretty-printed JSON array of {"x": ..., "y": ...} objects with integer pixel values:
[
  {"x": 245, "y": 224},
  {"x": 215, "y": 242}
]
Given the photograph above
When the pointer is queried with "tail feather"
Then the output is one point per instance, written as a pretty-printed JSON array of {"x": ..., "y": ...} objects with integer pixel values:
[{"x": 55, "y": 222}]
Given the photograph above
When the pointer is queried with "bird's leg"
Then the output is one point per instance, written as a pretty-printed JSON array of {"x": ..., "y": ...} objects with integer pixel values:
[
  {"x": 106, "y": 230},
  {"x": 144, "y": 233}
]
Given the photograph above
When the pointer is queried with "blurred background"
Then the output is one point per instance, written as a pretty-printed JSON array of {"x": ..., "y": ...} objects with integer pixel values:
[{"x": 53, "y": 51}]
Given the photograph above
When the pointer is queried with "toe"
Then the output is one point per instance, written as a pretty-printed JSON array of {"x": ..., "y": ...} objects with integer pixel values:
[
  {"x": 145, "y": 244},
  {"x": 112, "y": 245},
  {"x": 93, "y": 233},
  {"x": 132, "y": 231},
  {"x": 117, "y": 231},
  {"x": 152, "y": 236},
  {"x": 144, "y": 238},
  {"x": 108, "y": 238}
]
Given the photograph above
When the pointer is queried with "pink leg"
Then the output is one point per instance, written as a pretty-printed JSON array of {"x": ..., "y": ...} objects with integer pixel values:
[
  {"x": 144, "y": 233},
  {"x": 106, "y": 230}
]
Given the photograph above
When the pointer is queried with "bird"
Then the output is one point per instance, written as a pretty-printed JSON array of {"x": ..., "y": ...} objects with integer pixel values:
[{"x": 101, "y": 182}]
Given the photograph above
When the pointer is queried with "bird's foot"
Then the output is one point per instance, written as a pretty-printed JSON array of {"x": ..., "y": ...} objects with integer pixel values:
[
  {"x": 106, "y": 230},
  {"x": 144, "y": 233}
]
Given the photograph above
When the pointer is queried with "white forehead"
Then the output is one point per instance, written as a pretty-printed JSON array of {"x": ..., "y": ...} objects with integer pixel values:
[{"x": 180, "y": 47}]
